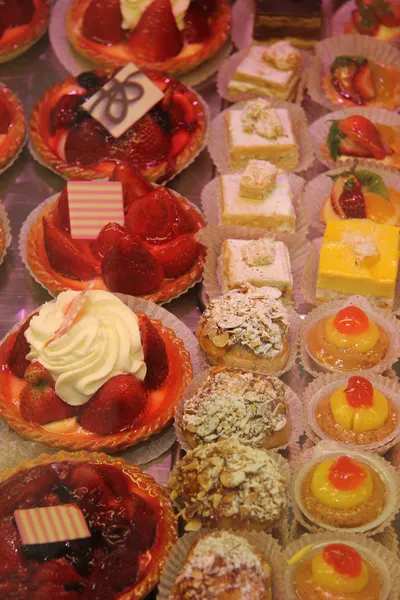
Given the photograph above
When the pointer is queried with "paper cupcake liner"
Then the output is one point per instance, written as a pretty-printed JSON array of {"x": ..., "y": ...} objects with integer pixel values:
[
  {"x": 319, "y": 133},
  {"x": 213, "y": 236},
  {"x": 54, "y": 287},
  {"x": 292, "y": 402},
  {"x": 218, "y": 140},
  {"x": 5, "y": 222},
  {"x": 211, "y": 204},
  {"x": 319, "y": 188},
  {"x": 328, "y": 450},
  {"x": 325, "y": 385},
  {"x": 265, "y": 543},
  {"x": 387, "y": 321},
  {"x": 228, "y": 68},
  {"x": 346, "y": 45},
  {"x": 242, "y": 23},
  {"x": 154, "y": 441},
  {"x": 310, "y": 278},
  {"x": 378, "y": 555}
]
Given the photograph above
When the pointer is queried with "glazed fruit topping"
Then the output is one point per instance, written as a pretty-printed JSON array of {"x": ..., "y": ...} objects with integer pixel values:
[
  {"x": 106, "y": 239},
  {"x": 345, "y": 474},
  {"x": 347, "y": 198},
  {"x": 370, "y": 15},
  {"x": 102, "y": 22},
  {"x": 134, "y": 186},
  {"x": 357, "y": 136},
  {"x": 196, "y": 23},
  {"x": 178, "y": 255},
  {"x": 155, "y": 354},
  {"x": 62, "y": 212},
  {"x": 351, "y": 77},
  {"x": 344, "y": 559},
  {"x": 16, "y": 360},
  {"x": 87, "y": 143},
  {"x": 65, "y": 112},
  {"x": 16, "y": 12},
  {"x": 4, "y": 119},
  {"x": 359, "y": 392},
  {"x": 351, "y": 321},
  {"x": 145, "y": 143}
]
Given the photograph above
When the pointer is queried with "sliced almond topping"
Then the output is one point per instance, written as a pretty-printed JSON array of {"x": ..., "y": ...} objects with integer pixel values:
[{"x": 221, "y": 340}]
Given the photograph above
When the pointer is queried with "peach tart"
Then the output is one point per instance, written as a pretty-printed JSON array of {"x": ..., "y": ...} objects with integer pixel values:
[
  {"x": 22, "y": 24},
  {"x": 82, "y": 526},
  {"x": 166, "y": 35},
  {"x": 85, "y": 371},
  {"x": 377, "y": 18},
  {"x": 68, "y": 140},
  {"x": 153, "y": 255}
]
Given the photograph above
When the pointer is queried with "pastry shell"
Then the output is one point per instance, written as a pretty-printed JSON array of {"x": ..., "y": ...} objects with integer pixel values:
[
  {"x": 29, "y": 34},
  {"x": 15, "y": 138}
]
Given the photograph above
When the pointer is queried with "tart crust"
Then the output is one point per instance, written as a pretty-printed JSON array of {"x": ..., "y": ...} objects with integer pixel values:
[
  {"x": 81, "y": 439},
  {"x": 157, "y": 173},
  {"x": 15, "y": 137},
  {"x": 17, "y": 40},
  {"x": 120, "y": 54},
  {"x": 147, "y": 486}
]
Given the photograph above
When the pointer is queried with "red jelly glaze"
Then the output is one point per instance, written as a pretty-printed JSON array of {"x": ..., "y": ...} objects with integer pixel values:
[
  {"x": 351, "y": 320},
  {"x": 359, "y": 392},
  {"x": 344, "y": 559},
  {"x": 345, "y": 474}
]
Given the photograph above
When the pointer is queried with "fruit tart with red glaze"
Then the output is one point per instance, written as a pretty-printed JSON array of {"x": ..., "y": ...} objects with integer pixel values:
[
  {"x": 154, "y": 255},
  {"x": 128, "y": 515},
  {"x": 72, "y": 143},
  {"x": 86, "y": 372},
  {"x": 377, "y": 18},
  {"x": 173, "y": 36},
  {"x": 22, "y": 24},
  {"x": 12, "y": 127}
]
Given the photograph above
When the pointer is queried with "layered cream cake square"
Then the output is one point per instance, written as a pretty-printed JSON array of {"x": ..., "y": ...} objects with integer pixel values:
[
  {"x": 274, "y": 70},
  {"x": 243, "y": 205},
  {"x": 262, "y": 262},
  {"x": 261, "y": 132}
]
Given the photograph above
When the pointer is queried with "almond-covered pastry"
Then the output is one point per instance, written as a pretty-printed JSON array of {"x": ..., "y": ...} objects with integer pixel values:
[
  {"x": 229, "y": 485},
  {"x": 248, "y": 407},
  {"x": 246, "y": 328},
  {"x": 223, "y": 566},
  {"x": 282, "y": 55},
  {"x": 258, "y": 178}
]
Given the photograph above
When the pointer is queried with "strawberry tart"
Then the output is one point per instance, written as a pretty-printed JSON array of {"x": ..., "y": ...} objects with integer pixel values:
[
  {"x": 86, "y": 372},
  {"x": 154, "y": 255},
  {"x": 82, "y": 526},
  {"x": 165, "y": 140},
  {"x": 22, "y": 23},
  {"x": 173, "y": 36},
  {"x": 376, "y": 18},
  {"x": 12, "y": 127}
]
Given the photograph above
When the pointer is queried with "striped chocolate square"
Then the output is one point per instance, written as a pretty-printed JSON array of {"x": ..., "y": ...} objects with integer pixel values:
[
  {"x": 49, "y": 524},
  {"x": 93, "y": 204}
]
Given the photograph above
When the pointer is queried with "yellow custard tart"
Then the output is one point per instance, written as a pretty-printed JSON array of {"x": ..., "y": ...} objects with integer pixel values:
[{"x": 348, "y": 340}]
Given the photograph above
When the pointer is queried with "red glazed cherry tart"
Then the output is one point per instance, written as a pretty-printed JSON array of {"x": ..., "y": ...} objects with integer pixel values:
[
  {"x": 22, "y": 23},
  {"x": 12, "y": 127}
]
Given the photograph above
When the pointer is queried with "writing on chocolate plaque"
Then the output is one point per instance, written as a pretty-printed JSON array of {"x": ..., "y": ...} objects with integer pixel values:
[{"x": 123, "y": 100}]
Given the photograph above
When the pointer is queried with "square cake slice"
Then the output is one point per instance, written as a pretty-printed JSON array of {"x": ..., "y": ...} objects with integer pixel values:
[
  {"x": 262, "y": 262},
  {"x": 300, "y": 21}
]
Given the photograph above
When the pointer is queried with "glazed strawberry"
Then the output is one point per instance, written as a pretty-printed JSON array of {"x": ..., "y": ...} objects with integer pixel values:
[
  {"x": 145, "y": 524},
  {"x": 16, "y": 12},
  {"x": 350, "y": 148},
  {"x": 86, "y": 144},
  {"x": 14, "y": 589},
  {"x": 4, "y": 119},
  {"x": 87, "y": 484},
  {"x": 196, "y": 25},
  {"x": 129, "y": 268},
  {"x": 360, "y": 130},
  {"x": 50, "y": 500},
  {"x": 149, "y": 145},
  {"x": 64, "y": 113},
  {"x": 118, "y": 569},
  {"x": 62, "y": 211},
  {"x": 347, "y": 198},
  {"x": 11, "y": 556},
  {"x": 64, "y": 257},
  {"x": 155, "y": 354},
  {"x": 54, "y": 591},
  {"x": 363, "y": 83},
  {"x": 58, "y": 571},
  {"x": 178, "y": 255},
  {"x": 385, "y": 14},
  {"x": 115, "y": 406},
  {"x": 27, "y": 484},
  {"x": 364, "y": 19},
  {"x": 39, "y": 402},
  {"x": 156, "y": 37},
  {"x": 16, "y": 360},
  {"x": 103, "y": 22},
  {"x": 106, "y": 239},
  {"x": 134, "y": 186},
  {"x": 179, "y": 141}
]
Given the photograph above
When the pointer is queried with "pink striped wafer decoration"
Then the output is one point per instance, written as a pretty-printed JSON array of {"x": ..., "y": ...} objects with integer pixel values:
[
  {"x": 93, "y": 204},
  {"x": 49, "y": 524}
]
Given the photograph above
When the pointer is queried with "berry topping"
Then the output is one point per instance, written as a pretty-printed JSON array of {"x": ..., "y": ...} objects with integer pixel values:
[
  {"x": 385, "y": 13},
  {"x": 363, "y": 83},
  {"x": 115, "y": 406},
  {"x": 16, "y": 12},
  {"x": 106, "y": 239},
  {"x": 360, "y": 130},
  {"x": 62, "y": 211},
  {"x": 346, "y": 474},
  {"x": 156, "y": 37},
  {"x": 155, "y": 354},
  {"x": 351, "y": 321},
  {"x": 134, "y": 186},
  {"x": 179, "y": 141},
  {"x": 65, "y": 112},
  {"x": 348, "y": 147},
  {"x": 359, "y": 392},
  {"x": 344, "y": 559},
  {"x": 32, "y": 485},
  {"x": 16, "y": 359},
  {"x": 59, "y": 572},
  {"x": 4, "y": 119},
  {"x": 86, "y": 143},
  {"x": 196, "y": 25},
  {"x": 144, "y": 144},
  {"x": 38, "y": 401},
  {"x": 11, "y": 557},
  {"x": 55, "y": 592},
  {"x": 102, "y": 22},
  {"x": 343, "y": 70},
  {"x": 347, "y": 198},
  {"x": 130, "y": 268},
  {"x": 144, "y": 523},
  {"x": 178, "y": 255},
  {"x": 90, "y": 80}
]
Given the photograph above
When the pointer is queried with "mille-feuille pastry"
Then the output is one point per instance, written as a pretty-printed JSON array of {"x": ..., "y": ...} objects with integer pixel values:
[
  {"x": 258, "y": 197},
  {"x": 259, "y": 131},
  {"x": 377, "y": 18},
  {"x": 348, "y": 340},
  {"x": 262, "y": 262},
  {"x": 356, "y": 413},
  {"x": 246, "y": 328},
  {"x": 300, "y": 22},
  {"x": 223, "y": 566},
  {"x": 361, "y": 257},
  {"x": 228, "y": 485},
  {"x": 273, "y": 70},
  {"x": 241, "y": 405}
]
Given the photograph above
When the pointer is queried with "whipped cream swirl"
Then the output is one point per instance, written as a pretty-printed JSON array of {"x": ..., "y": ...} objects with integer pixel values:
[{"x": 103, "y": 341}]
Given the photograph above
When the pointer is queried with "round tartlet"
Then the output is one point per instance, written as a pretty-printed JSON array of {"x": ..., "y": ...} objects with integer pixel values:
[
  {"x": 16, "y": 40},
  {"x": 44, "y": 143},
  {"x": 13, "y": 136},
  {"x": 190, "y": 57},
  {"x": 48, "y": 472}
]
